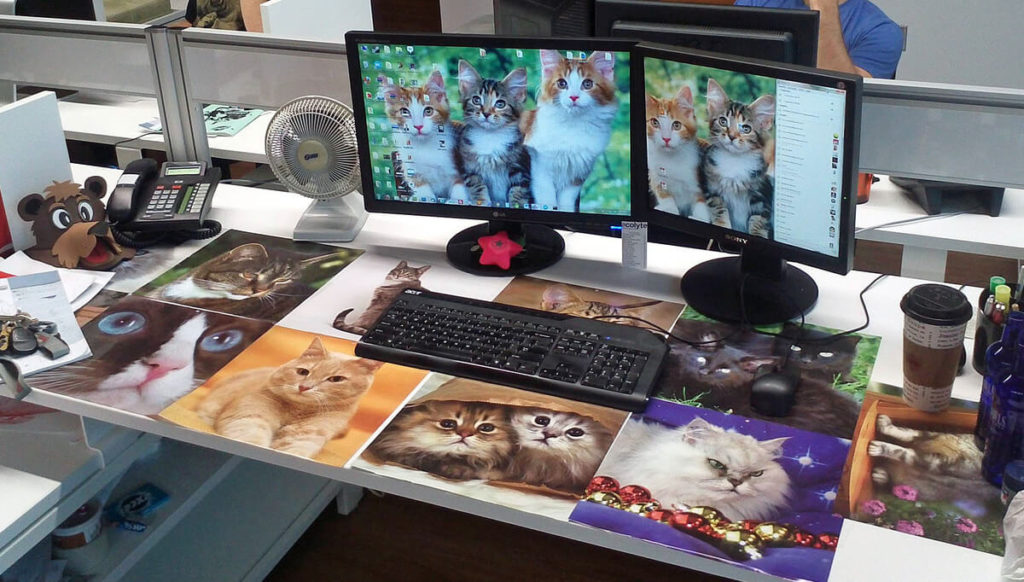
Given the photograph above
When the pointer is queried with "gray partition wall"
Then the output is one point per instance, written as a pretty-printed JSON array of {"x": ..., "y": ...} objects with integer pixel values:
[
  {"x": 951, "y": 133},
  {"x": 252, "y": 70}
]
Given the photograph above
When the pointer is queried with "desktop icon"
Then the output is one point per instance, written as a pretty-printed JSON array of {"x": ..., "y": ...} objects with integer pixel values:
[
  {"x": 387, "y": 50},
  {"x": 409, "y": 49}
]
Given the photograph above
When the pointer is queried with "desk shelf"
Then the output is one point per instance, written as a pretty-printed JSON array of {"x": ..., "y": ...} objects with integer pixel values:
[{"x": 115, "y": 450}]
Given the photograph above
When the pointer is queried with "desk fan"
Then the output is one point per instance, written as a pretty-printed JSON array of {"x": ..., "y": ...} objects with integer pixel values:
[{"x": 311, "y": 144}]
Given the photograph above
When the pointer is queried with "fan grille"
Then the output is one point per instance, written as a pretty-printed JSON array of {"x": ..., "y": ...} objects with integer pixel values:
[{"x": 311, "y": 145}]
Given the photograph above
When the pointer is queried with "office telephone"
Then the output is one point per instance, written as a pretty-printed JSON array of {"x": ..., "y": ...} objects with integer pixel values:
[{"x": 172, "y": 200}]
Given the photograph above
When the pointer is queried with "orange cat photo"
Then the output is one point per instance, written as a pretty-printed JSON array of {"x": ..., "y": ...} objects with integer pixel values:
[{"x": 298, "y": 393}]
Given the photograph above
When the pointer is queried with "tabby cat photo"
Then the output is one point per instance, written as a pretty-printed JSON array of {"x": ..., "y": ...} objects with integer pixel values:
[
  {"x": 250, "y": 275},
  {"x": 535, "y": 293}
]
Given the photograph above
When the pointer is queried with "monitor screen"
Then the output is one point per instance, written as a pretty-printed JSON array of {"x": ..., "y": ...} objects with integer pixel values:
[
  {"x": 753, "y": 153},
  {"x": 502, "y": 129},
  {"x": 787, "y": 36}
]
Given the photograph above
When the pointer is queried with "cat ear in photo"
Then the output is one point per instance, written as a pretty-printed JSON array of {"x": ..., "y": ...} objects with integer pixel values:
[
  {"x": 368, "y": 365},
  {"x": 435, "y": 87},
  {"x": 697, "y": 429},
  {"x": 389, "y": 91},
  {"x": 516, "y": 84},
  {"x": 248, "y": 251},
  {"x": 315, "y": 350},
  {"x": 402, "y": 264},
  {"x": 774, "y": 446},
  {"x": 468, "y": 78},
  {"x": 764, "y": 112},
  {"x": 604, "y": 62},
  {"x": 555, "y": 296},
  {"x": 652, "y": 101},
  {"x": 684, "y": 99},
  {"x": 549, "y": 61},
  {"x": 717, "y": 99},
  {"x": 422, "y": 269}
]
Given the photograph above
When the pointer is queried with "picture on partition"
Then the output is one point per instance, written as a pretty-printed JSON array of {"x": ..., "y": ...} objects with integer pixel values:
[
  {"x": 580, "y": 301},
  {"x": 499, "y": 127},
  {"x": 353, "y": 300},
  {"x": 920, "y": 474},
  {"x": 251, "y": 275},
  {"x": 147, "y": 354},
  {"x": 719, "y": 370},
  {"x": 512, "y": 447},
  {"x": 729, "y": 469},
  {"x": 298, "y": 393}
]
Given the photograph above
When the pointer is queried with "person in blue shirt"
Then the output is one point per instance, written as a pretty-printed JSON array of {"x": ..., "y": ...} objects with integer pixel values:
[{"x": 854, "y": 36}]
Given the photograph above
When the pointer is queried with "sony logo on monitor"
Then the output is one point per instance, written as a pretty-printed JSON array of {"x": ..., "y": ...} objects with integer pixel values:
[
  {"x": 735, "y": 239},
  {"x": 497, "y": 214}
]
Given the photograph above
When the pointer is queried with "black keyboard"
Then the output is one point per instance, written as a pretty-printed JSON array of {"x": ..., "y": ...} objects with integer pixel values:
[{"x": 562, "y": 355}]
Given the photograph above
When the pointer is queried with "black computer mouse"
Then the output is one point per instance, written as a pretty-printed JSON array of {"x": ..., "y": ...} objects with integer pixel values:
[{"x": 773, "y": 393}]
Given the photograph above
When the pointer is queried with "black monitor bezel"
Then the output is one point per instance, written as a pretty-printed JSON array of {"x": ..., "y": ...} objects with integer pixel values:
[
  {"x": 803, "y": 24},
  {"x": 843, "y": 262},
  {"x": 638, "y": 166}
]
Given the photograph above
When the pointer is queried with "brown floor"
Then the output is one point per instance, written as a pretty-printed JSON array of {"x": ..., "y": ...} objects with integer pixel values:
[{"x": 394, "y": 539}]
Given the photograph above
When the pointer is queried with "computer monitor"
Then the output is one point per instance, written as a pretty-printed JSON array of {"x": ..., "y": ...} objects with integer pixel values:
[
  {"x": 756, "y": 154},
  {"x": 521, "y": 133},
  {"x": 786, "y": 36},
  {"x": 71, "y": 9}
]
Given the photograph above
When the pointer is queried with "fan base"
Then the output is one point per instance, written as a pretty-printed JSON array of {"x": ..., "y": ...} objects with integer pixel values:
[{"x": 333, "y": 220}]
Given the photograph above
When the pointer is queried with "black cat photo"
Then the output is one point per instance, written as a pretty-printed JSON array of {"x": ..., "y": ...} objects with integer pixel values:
[{"x": 718, "y": 372}]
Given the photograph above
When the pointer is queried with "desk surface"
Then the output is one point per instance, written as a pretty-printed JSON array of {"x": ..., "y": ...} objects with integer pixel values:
[
  {"x": 110, "y": 119},
  {"x": 865, "y": 552}
]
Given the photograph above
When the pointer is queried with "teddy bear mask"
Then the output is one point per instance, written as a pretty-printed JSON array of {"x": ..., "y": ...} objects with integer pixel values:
[{"x": 70, "y": 226}]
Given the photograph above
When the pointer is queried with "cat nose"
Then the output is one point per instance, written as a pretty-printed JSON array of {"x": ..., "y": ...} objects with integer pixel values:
[
  {"x": 464, "y": 433},
  {"x": 419, "y": 128},
  {"x": 157, "y": 371},
  {"x": 574, "y": 97},
  {"x": 304, "y": 388},
  {"x": 666, "y": 140},
  {"x": 735, "y": 482}
]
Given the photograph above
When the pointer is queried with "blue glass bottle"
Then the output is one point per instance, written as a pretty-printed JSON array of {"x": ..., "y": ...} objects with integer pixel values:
[
  {"x": 1005, "y": 440},
  {"x": 998, "y": 360}
]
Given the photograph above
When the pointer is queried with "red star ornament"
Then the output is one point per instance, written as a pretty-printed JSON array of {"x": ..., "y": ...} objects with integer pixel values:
[{"x": 498, "y": 249}]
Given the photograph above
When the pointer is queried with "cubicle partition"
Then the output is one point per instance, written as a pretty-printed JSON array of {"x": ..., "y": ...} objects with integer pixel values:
[
  {"x": 953, "y": 133},
  {"x": 238, "y": 68}
]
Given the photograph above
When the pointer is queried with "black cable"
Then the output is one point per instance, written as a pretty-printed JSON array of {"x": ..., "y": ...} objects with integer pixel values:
[
  {"x": 739, "y": 327},
  {"x": 140, "y": 136},
  {"x": 250, "y": 183}
]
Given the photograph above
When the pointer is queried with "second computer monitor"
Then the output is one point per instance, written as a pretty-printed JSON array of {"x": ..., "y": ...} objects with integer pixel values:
[{"x": 758, "y": 155}]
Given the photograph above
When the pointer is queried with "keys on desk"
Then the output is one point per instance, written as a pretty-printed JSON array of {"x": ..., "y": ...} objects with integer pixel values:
[{"x": 572, "y": 357}]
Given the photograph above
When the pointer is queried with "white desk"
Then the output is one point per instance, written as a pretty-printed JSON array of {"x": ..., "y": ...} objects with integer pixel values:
[
  {"x": 115, "y": 119},
  {"x": 865, "y": 552},
  {"x": 925, "y": 243}
]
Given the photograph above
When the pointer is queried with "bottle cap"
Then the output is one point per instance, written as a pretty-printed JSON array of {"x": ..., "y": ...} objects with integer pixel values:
[
  {"x": 1013, "y": 476},
  {"x": 995, "y": 281},
  {"x": 1002, "y": 293}
]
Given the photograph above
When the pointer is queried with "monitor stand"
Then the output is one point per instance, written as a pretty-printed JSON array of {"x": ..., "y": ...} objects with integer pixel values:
[
  {"x": 773, "y": 290},
  {"x": 543, "y": 247}
]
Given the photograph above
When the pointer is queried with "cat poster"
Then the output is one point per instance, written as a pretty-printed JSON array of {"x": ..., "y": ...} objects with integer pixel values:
[
  {"x": 745, "y": 469},
  {"x": 353, "y": 300},
  {"x": 524, "y": 291},
  {"x": 250, "y": 275},
  {"x": 920, "y": 474},
  {"x": 298, "y": 393},
  {"x": 147, "y": 354},
  {"x": 518, "y": 449},
  {"x": 716, "y": 370}
]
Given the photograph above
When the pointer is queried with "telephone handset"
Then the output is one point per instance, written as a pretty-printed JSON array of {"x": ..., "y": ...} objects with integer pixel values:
[{"x": 172, "y": 200}]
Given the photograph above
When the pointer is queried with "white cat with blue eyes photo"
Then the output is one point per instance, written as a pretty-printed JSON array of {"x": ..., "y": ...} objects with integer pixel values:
[{"x": 701, "y": 464}]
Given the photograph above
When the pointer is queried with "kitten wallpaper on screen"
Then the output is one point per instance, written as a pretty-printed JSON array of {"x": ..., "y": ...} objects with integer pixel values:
[
  {"x": 499, "y": 127},
  {"x": 753, "y": 154}
]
